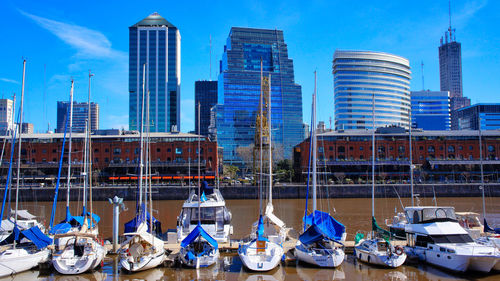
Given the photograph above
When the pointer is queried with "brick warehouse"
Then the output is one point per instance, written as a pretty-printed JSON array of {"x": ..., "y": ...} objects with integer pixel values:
[
  {"x": 114, "y": 157},
  {"x": 439, "y": 156}
]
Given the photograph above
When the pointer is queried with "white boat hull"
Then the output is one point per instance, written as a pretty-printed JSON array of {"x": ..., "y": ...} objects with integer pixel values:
[
  {"x": 265, "y": 261},
  {"x": 382, "y": 259},
  {"x": 66, "y": 262},
  {"x": 456, "y": 262},
  {"x": 319, "y": 257},
  {"x": 201, "y": 261},
  {"x": 143, "y": 263},
  {"x": 17, "y": 260}
]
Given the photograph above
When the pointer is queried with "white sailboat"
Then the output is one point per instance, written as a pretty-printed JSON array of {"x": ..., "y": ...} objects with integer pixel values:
[
  {"x": 321, "y": 242},
  {"x": 79, "y": 250},
  {"x": 265, "y": 250},
  {"x": 142, "y": 249},
  {"x": 199, "y": 249},
  {"x": 376, "y": 248},
  {"x": 15, "y": 258}
]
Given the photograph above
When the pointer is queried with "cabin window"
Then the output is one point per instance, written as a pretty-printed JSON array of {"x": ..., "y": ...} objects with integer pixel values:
[
  {"x": 422, "y": 241},
  {"x": 207, "y": 215}
]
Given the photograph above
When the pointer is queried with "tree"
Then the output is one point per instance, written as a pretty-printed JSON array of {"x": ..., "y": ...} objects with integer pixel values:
[
  {"x": 284, "y": 170},
  {"x": 246, "y": 155},
  {"x": 230, "y": 171}
]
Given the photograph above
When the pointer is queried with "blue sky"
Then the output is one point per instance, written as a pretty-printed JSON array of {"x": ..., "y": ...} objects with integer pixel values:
[{"x": 64, "y": 39}]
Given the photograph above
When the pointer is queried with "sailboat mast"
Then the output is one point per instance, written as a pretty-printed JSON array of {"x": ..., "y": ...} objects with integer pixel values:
[
  {"x": 85, "y": 171},
  {"x": 411, "y": 161},
  {"x": 199, "y": 167},
  {"x": 314, "y": 147},
  {"x": 373, "y": 156},
  {"x": 68, "y": 179},
  {"x": 89, "y": 151},
  {"x": 141, "y": 163},
  {"x": 481, "y": 162},
  {"x": 270, "y": 153},
  {"x": 148, "y": 163},
  {"x": 260, "y": 137},
  {"x": 20, "y": 140}
]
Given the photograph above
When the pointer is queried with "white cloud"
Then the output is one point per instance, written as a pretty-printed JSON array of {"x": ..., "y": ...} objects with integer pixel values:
[
  {"x": 88, "y": 43},
  {"x": 9, "y": 80}
]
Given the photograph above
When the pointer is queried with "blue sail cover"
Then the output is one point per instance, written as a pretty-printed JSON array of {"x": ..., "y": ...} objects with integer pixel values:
[
  {"x": 132, "y": 225},
  {"x": 325, "y": 225},
  {"x": 33, "y": 234},
  {"x": 197, "y": 231},
  {"x": 260, "y": 230},
  {"x": 487, "y": 228},
  {"x": 60, "y": 228}
]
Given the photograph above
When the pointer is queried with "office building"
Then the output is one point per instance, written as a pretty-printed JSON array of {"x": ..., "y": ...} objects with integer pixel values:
[
  {"x": 6, "y": 123},
  {"x": 28, "y": 128},
  {"x": 156, "y": 43},
  {"x": 205, "y": 94},
  {"x": 240, "y": 86},
  {"x": 80, "y": 116},
  {"x": 363, "y": 76},
  {"x": 430, "y": 110},
  {"x": 486, "y": 115}
]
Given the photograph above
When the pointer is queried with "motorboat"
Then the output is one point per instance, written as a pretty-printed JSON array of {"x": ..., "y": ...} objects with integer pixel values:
[
  {"x": 215, "y": 216},
  {"x": 435, "y": 236}
]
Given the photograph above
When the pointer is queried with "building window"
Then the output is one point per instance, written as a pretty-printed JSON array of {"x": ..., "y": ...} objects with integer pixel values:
[
  {"x": 441, "y": 147},
  {"x": 351, "y": 148},
  {"x": 401, "y": 149},
  {"x": 117, "y": 151},
  {"x": 420, "y": 148},
  {"x": 330, "y": 148},
  {"x": 96, "y": 160},
  {"x": 391, "y": 148},
  {"x": 321, "y": 149},
  {"x": 106, "y": 150},
  {"x": 431, "y": 149},
  {"x": 137, "y": 150},
  {"x": 360, "y": 148},
  {"x": 178, "y": 150},
  {"x": 158, "y": 149},
  {"x": 491, "y": 148},
  {"x": 54, "y": 151},
  {"x": 169, "y": 150},
  {"x": 460, "y": 147},
  {"x": 96, "y": 150},
  {"x": 451, "y": 149},
  {"x": 361, "y": 157},
  {"x": 470, "y": 147},
  {"x": 106, "y": 160},
  {"x": 341, "y": 149},
  {"x": 44, "y": 151},
  {"x": 209, "y": 149}
]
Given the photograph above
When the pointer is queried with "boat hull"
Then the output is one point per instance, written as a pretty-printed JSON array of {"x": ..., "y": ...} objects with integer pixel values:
[
  {"x": 143, "y": 263},
  {"x": 66, "y": 262},
  {"x": 381, "y": 259},
  {"x": 199, "y": 261},
  {"x": 13, "y": 261},
  {"x": 265, "y": 261},
  {"x": 324, "y": 258}
]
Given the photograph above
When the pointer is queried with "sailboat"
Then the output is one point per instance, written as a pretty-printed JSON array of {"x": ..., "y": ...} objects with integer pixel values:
[
  {"x": 142, "y": 249},
  {"x": 199, "y": 249},
  {"x": 25, "y": 249},
  {"x": 376, "y": 248},
  {"x": 78, "y": 250},
  {"x": 265, "y": 250},
  {"x": 321, "y": 243}
]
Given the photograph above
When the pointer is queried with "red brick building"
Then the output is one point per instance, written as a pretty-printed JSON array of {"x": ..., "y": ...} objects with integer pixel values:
[
  {"x": 434, "y": 152},
  {"x": 116, "y": 156}
]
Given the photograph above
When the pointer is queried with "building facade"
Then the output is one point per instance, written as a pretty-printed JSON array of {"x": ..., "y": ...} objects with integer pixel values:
[
  {"x": 156, "y": 43},
  {"x": 205, "y": 94},
  {"x": 27, "y": 128},
  {"x": 239, "y": 87},
  {"x": 6, "y": 115},
  {"x": 430, "y": 110},
  {"x": 486, "y": 115},
  {"x": 439, "y": 156},
  {"x": 80, "y": 116},
  {"x": 115, "y": 157},
  {"x": 361, "y": 77}
]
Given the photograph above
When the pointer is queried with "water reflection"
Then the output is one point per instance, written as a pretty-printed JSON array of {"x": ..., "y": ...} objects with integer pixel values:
[{"x": 317, "y": 274}]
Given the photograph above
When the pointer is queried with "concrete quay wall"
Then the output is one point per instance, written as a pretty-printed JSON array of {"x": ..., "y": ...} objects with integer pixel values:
[{"x": 279, "y": 192}]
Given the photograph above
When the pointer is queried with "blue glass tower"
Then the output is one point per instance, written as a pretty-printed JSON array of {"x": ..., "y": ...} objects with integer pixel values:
[
  {"x": 430, "y": 110},
  {"x": 239, "y": 92},
  {"x": 157, "y": 43},
  {"x": 205, "y": 94}
]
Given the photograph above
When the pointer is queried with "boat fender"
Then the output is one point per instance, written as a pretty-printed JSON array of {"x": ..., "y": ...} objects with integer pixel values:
[{"x": 398, "y": 250}]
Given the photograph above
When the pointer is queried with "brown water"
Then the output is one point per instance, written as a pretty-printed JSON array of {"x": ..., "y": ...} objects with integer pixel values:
[{"x": 353, "y": 213}]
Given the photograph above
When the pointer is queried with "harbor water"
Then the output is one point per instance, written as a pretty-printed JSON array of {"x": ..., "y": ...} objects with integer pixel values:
[{"x": 353, "y": 213}]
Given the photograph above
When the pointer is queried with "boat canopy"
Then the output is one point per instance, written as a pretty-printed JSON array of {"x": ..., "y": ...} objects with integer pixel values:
[
  {"x": 321, "y": 224},
  {"x": 197, "y": 231},
  {"x": 23, "y": 214},
  {"x": 34, "y": 234},
  {"x": 60, "y": 228},
  {"x": 132, "y": 225},
  {"x": 487, "y": 228},
  {"x": 260, "y": 230}
]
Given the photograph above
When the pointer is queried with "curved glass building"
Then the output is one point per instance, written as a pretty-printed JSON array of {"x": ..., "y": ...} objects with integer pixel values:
[{"x": 360, "y": 75}]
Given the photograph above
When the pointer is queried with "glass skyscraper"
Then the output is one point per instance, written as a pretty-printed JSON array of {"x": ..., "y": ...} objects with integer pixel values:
[
  {"x": 239, "y": 92},
  {"x": 487, "y": 113},
  {"x": 430, "y": 110},
  {"x": 157, "y": 43},
  {"x": 360, "y": 75},
  {"x": 205, "y": 94},
  {"x": 80, "y": 116}
]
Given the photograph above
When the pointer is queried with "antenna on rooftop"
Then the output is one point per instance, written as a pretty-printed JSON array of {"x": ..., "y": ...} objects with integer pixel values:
[
  {"x": 210, "y": 77},
  {"x": 450, "y": 30},
  {"x": 423, "y": 85}
]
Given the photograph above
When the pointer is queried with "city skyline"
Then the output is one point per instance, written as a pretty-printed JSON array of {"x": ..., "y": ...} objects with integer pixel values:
[{"x": 101, "y": 44}]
